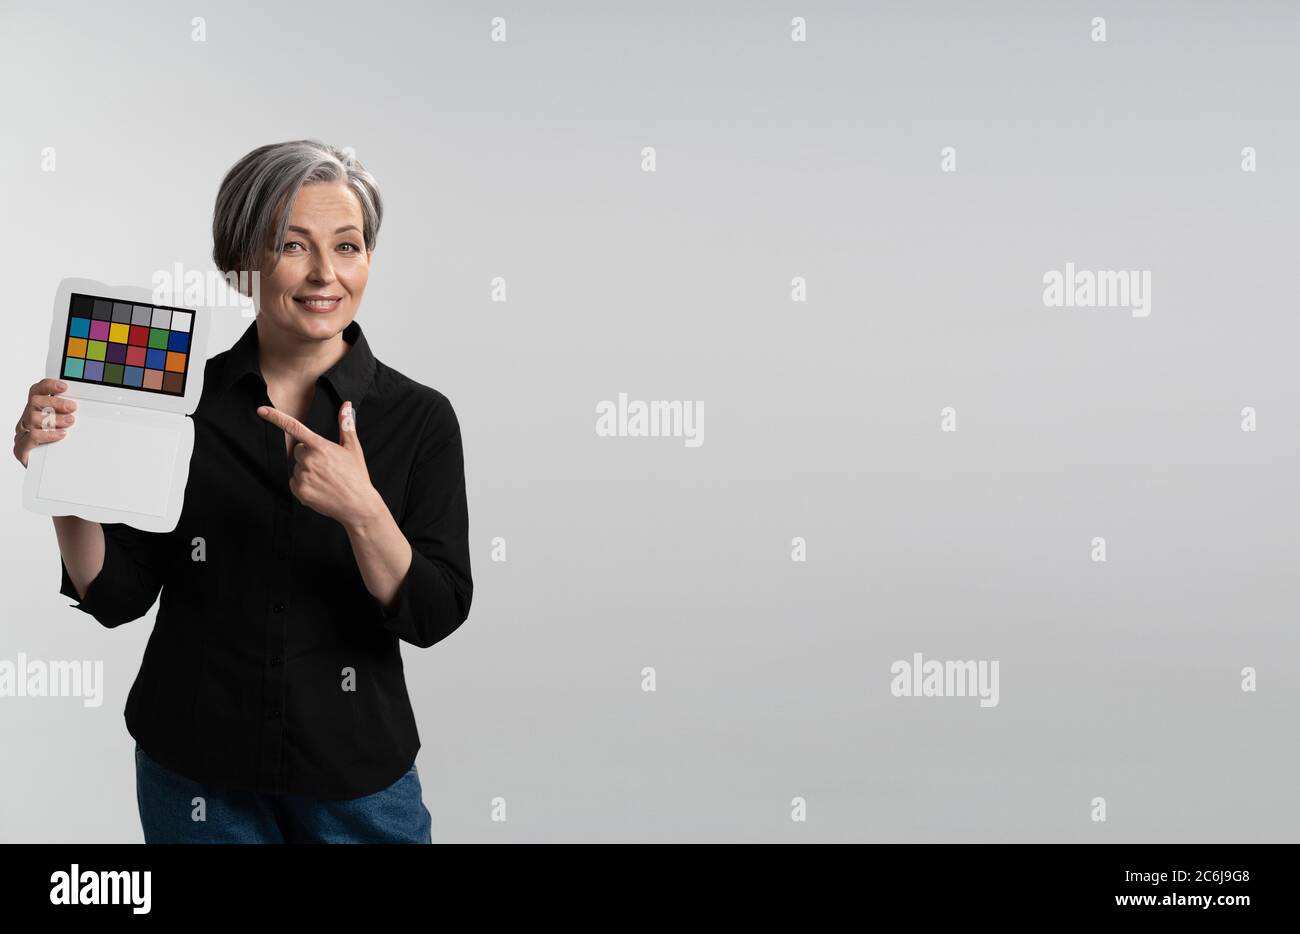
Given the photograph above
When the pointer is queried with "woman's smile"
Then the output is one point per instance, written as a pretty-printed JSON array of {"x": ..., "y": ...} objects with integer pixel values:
[{"x": 319, "y": 304}]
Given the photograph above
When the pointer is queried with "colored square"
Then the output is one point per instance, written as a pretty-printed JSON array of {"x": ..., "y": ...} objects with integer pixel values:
[
  {"x": 162, "y": 318},
  {"x": 73, "y": 368},
  {"x": 176, "y": 362},
  {"x": 141, "y": 314},
  {"x": 179, "y": 341},
  {"x": 76, "y": 347},
  {"x": 158, "y": 338},
  {"x": 118, "y": 333},
  {"x": 79, "y": 327},
  {"x": 95, "y": 350},
  {"x": 122, "y": 312},
  {"x": 153, "y": 379},
  {"x": 103, "y": 310},
  {"x": 116, "y": 353},
  {"x": 113, "y": 373},
  {"x": 99, "y": 330},
  {"x": 82, "y": 306},
  {"x": 139, "y": 336},
  {"x": 174, "y": 383},
  {"x": 181, "y": 321},
  {"x": 135, "y": 356},
  {"x": 133, "y": 376},
  {"x": 156, "y": 359},
  {"x": 94, "y": 371}
]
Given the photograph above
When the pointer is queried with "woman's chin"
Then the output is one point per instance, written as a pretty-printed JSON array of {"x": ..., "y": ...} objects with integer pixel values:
[{"x": 318, "y": 324}]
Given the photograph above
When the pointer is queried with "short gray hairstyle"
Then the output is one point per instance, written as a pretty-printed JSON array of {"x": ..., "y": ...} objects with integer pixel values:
[{"x": 264, "y": 185}]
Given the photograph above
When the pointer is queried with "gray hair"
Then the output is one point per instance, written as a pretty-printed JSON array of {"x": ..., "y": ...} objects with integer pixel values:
[{"x": 264, "y": 184}]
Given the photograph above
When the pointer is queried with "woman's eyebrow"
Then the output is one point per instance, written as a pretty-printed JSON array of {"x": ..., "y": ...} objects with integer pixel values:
[{"x": 304, "y": 230}]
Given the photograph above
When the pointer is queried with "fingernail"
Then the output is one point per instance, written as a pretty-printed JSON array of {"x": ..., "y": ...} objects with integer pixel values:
[
  {"x": 61, "y": 432},
  {"x": 72, "y": 406},
  {"x": 61, "y": 384}
]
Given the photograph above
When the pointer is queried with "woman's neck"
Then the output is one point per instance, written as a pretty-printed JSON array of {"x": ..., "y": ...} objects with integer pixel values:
[{"x": 296, "y": 364}]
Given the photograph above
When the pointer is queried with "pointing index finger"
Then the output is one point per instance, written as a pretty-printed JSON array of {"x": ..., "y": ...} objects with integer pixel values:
[{"x": 288, "y": 424}]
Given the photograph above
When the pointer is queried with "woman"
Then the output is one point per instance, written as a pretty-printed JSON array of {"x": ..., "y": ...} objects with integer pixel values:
[{"x": 324, "y": 521}]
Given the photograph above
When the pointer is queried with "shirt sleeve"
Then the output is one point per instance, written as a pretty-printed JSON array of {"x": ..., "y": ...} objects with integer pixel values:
[
  {"x": 434, "y": 598},
  {"x": 130, "y": 580}
]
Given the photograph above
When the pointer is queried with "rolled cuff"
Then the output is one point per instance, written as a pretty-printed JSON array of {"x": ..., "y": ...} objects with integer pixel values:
[
  {"x": 430, "y": 605},
  {"x": 120, "y": 593}
]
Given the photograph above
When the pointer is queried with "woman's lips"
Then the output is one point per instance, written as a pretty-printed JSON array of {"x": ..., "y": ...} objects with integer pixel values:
[{"x": 317, "y": 306}]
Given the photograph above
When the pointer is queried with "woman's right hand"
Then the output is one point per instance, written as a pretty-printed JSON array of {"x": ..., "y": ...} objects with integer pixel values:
[{"x": 45, "y": 418}]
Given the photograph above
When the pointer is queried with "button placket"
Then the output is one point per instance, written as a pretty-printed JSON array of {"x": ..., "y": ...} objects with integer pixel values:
[{"x": 281, "y": 556}]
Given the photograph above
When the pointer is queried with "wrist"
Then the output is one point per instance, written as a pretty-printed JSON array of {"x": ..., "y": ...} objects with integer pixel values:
[{"x": 367, "y": 519}]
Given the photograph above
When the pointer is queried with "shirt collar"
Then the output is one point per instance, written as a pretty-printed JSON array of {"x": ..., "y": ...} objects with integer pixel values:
[{"x": 350, "y": 377}]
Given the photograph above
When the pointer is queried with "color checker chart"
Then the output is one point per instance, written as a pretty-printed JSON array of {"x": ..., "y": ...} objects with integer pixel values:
[{"x": 144, "y": 347}]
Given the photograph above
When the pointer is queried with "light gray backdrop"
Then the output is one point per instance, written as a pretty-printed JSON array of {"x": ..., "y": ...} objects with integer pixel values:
[{"x": 776, "y": 159}]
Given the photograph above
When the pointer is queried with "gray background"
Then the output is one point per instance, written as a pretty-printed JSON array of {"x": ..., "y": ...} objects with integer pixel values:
[{"x": 776, "y": 159}]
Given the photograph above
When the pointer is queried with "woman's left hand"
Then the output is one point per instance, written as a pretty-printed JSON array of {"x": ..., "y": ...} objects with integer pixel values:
[{"x": 330, "y": 478}]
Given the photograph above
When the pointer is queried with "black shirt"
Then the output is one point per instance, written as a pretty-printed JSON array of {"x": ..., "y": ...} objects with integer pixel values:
[{"x": 270, "y": 666}]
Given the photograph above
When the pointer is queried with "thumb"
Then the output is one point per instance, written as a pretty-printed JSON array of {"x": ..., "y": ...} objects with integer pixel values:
[{"x": 348, "y": 428}]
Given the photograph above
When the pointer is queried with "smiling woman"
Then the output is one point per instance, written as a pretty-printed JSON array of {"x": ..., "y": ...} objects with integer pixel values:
[
  {"x": 305, "y": 218},
  {"x": 324, "y": 522}
]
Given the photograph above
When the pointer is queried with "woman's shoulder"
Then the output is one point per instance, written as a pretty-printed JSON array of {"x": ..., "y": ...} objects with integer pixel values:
[{"x": 397, "y": 390}]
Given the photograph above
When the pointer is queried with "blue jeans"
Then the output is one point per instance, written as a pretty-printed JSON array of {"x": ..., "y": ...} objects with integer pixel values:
[{"x": 395, "y": 815}]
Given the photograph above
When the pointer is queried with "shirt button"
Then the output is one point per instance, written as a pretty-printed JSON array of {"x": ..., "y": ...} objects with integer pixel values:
[
  {"x": 275, "y": 661},
  {"x": 273, "y": 713},
  {"x": 278, "y": 608}
]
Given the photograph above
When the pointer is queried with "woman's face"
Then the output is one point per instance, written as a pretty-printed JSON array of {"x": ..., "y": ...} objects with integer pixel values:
[{"x": 315, "y": 289}]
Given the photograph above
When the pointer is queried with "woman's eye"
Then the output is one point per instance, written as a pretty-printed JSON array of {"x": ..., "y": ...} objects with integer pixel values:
[
  {"x": 291, "y": 243},
  {"x": 351, "y": 246}
]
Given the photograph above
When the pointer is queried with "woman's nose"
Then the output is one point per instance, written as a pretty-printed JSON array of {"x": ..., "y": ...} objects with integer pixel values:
[{"x": 322, "y": 270}]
